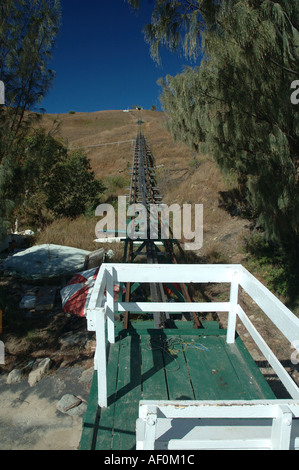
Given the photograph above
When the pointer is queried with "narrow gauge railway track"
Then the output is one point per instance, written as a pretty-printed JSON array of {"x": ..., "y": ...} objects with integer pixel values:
[{"x": 143, "y": 190}]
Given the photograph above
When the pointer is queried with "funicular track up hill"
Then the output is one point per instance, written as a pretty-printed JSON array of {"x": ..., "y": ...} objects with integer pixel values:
[{"x": 165, "y": 378}]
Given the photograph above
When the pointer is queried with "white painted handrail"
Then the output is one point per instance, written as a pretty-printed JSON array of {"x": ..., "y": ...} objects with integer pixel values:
[
  {"x": 196, "y": 425},
  {"x": 102, "y": 307}
]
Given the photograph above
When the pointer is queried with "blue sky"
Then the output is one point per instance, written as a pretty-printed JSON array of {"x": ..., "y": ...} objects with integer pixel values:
[{"x": 102, "y": 61}]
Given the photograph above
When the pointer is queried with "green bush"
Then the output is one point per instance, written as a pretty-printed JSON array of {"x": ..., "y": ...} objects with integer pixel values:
[
  {"x": 73, "y": 189},
  {"x": 54, "y": 182},
  {"x": 270, "y": 260}
]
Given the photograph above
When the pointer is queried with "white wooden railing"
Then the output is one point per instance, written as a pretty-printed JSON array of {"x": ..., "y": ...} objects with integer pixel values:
[
  {"x": 102, "y": 307},
  {"x": 230, "y": 425}
]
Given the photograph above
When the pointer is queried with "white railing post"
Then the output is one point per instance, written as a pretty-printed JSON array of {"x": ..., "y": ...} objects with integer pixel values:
[
  {"x": 281, "y": 429},
  {"x": 100, "y": 360},
  {"x": 150, "y": 430},
  {"x": 110, "y": 304},
  {"x": 232, "y": 314}
]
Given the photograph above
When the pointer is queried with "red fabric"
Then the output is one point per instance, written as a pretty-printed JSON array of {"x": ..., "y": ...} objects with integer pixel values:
[
  {"x": 76, "y": 304},
  {"x": 83, "y": 277},
  {"x": 75, "y": 295},
  {"x": 168, "y": 291},
  {"x": 77, "y": 279}
]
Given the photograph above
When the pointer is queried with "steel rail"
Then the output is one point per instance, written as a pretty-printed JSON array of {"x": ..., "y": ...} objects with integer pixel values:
[{"x": 142, "y": 192}]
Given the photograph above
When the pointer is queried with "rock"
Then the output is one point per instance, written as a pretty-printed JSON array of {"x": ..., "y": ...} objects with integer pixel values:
[
  {"x": 71, "y": 405},
  {"x": 87, "y": 375},
  {"x": 40, "y": 368},
  {"x": 95, "y": 258},
  {"x": 90, "y": 345},
  {"x": 28, "y": 366},
  {"x": 110, "y": 254},
  {"x": 46, "y": 298},
  {"x": 73, "y": 339},
  {"x": 14, "y": 377},
  {"x": 28, "y": 302}
]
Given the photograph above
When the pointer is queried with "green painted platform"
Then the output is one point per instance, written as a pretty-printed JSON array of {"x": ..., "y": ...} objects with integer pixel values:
[{"x": 149, "y": 364}]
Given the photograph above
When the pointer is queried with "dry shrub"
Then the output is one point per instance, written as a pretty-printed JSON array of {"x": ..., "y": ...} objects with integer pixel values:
[{"x": 77, "y": 233}]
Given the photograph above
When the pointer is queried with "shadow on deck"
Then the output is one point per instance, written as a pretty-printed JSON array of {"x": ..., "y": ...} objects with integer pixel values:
[{"x": 174, "y": 364}]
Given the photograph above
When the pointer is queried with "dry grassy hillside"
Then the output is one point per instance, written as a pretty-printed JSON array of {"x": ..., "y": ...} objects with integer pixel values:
[{"x": 180, "y": 179}]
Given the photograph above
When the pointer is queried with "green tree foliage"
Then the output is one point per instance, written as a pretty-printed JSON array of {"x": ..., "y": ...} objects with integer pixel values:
[
  {"x": 179, "y": 25},
  {"x": 236, "y": 104},
  {"x": 55, "y": 182},
  {"x": 28, "y": 29},
  {"x": 73, "y": 188},
  {"x": 27, "y": 38}
]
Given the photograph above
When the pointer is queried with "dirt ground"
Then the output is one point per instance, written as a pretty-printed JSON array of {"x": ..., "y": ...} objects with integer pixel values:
[
  {"x": 29, "y": 415},
  {"x": 29, "y": 419}
]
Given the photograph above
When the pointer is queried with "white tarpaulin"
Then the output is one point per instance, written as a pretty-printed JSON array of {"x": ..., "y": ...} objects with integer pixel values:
[{"x": 45, "y": 262}]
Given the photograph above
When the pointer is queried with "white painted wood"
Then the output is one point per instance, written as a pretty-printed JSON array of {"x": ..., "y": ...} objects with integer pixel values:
[
  {"x": 140, "y": 433},
  {"x": 281, "y": 429},
  {"x": 184, "y": 273},
  {"x": 280, "y": 315},
  {"x": 97, "y": 296},
  {"x": 195, "y": 434},
  {"x": 221, "y": 444},
  {"x": 91, "y": 320},
  {"x": 122, "y": 240},
  {"x": 172, "y": 307},
  {"x": 110, "y": 309},
  {"x": 194, "y": 425},
  {"x": 150, "y": 431},
  {"x": 232, "y": 314},
  {"x": 100, "y": 358},
  {"x": 269, "y": 355},
  {"x": 110, "y": 240},
  {"x": 222, "y": 409}
]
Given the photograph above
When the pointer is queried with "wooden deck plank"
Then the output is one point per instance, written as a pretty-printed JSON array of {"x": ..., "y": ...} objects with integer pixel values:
[
  {"x": 105, "y": 426},
  {"x": 90, "y": 419},
  {"x": 137, "y": 371},
  {"x": 124, "y": 435},
  {"x": 128, "y": 393},
  {"x": 153, "y": 376},
  {"x": 224, "y": 381},
  {"x": 201, "y": 370},
  {"x": 247, "y": 370},
  {"x": 177, "y": 374},
  {"x": 129, "y": 373}
]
